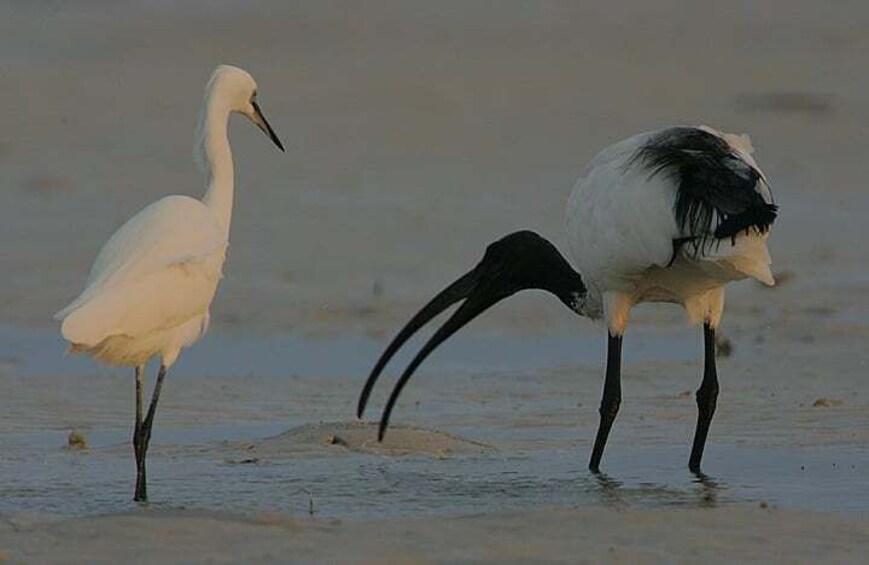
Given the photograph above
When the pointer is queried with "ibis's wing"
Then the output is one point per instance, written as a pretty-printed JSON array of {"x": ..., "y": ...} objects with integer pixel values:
[
  {"x": 720, "y": 190},
  {"x": 646, "y": 200}
]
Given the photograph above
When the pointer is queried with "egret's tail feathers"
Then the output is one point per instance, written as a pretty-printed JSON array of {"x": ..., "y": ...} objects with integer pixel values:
[
  {"x": 92, "y": 318},
  {"x": 114, "y": 350},
  {"x": 71, "y": 326},
  {"x": 65, "y": 311},
  {"x": 78, "y": 330},
  {"x": 76, "y": 349},
  {"x": 82, "y": 300}
]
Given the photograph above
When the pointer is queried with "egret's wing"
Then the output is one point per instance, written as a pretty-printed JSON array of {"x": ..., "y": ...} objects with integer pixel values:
[
  {"x": 172, "y": 230},
  {"x": 158, "y": 270}
]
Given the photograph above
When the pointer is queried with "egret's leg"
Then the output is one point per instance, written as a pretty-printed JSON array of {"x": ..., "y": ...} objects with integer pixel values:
[
  {"x": 144, "y": 436},
  {"x": 612, "y": 398},
  {"x": 137, "y": 430},
  {"x": 707, "y": 396}
]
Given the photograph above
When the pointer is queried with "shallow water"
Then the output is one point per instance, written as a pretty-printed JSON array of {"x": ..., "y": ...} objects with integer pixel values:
[
  {"x": 534, "y": 459},
  {"x": 39, "y": 476}
]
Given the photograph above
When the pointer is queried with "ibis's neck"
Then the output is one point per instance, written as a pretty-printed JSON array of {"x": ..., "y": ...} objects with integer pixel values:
[{"x": 215, "y": 159}]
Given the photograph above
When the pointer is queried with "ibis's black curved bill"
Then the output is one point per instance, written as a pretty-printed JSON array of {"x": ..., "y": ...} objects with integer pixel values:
[
  {"x": 263, "y": 124},
  {"x": 521, "y": 260}
]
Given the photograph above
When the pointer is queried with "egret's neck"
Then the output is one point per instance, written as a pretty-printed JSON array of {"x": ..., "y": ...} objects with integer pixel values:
[{"x": 215, "y": 159}]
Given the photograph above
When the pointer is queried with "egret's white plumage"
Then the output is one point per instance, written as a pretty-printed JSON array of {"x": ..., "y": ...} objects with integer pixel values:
[
  {"x": 151, "y": 286},
  {"x": 667, "y": 216}
]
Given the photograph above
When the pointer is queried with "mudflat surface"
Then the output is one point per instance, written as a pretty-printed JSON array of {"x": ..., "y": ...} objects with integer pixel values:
[{"x": 581, "y": 535}]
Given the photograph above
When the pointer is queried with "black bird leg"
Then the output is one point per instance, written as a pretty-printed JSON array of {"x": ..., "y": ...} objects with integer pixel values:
[
  {"x": 707, "y": 396},
  {"x": 142, "y": 432},
  {"x": 137, "y": 430},
  {"x": 612, "y": 398}
]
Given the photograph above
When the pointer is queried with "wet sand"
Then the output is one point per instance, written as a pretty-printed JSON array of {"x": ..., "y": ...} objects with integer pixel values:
[
  {"x": 416, "y": 134},
  {"x": 490, "y": 464},
  {"x": 582, "y": 535}
]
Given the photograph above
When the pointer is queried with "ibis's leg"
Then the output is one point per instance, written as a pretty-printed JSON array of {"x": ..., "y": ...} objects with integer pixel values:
[
  {"x": 707, "y": 396},
  {"x": 142, "y": 436},
  {"x": 612, "y": 398}
]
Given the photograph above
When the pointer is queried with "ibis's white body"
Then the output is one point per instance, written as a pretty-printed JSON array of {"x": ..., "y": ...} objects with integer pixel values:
[
  {"x": 621, "y": 227},
  {"x": 151, "y": 286}
]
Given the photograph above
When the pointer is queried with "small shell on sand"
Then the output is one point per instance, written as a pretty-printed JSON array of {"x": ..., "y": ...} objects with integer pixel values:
[
  {"x": 826, "y": 403},
  {"x": 76, "y": 440}
]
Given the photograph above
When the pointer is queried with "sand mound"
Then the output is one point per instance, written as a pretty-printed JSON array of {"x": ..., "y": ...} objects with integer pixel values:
[{"x": 341, "y": 437}]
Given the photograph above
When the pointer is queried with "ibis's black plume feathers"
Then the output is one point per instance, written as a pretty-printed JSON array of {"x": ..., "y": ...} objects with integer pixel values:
[
  {"x": 521, "y": 260},
  {"x": 714, "y": 184}
]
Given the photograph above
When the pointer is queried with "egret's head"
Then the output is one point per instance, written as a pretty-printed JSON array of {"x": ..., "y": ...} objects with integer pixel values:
[{"x": 236, "y": 88}]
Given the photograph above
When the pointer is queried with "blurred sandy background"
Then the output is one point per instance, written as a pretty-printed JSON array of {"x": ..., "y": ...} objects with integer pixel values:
[{"x": 416, "y": 133}]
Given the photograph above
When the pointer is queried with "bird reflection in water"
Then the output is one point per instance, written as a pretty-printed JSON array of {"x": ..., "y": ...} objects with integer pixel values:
[{"x": 705, "y": 492}]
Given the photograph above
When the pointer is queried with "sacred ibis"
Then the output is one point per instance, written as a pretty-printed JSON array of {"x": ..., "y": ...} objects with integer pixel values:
[{"x": 667, "y": 216}]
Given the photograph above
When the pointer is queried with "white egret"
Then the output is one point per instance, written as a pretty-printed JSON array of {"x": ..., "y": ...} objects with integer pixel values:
[
  {"x": 151, "y": 286},
  {"x": 668, "y": 216}
]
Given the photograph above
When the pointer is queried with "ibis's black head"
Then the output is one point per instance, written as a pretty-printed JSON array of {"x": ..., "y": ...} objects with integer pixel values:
[
  {"x": 524, "y": 260},
  {"x": 519, "y": 261}
]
